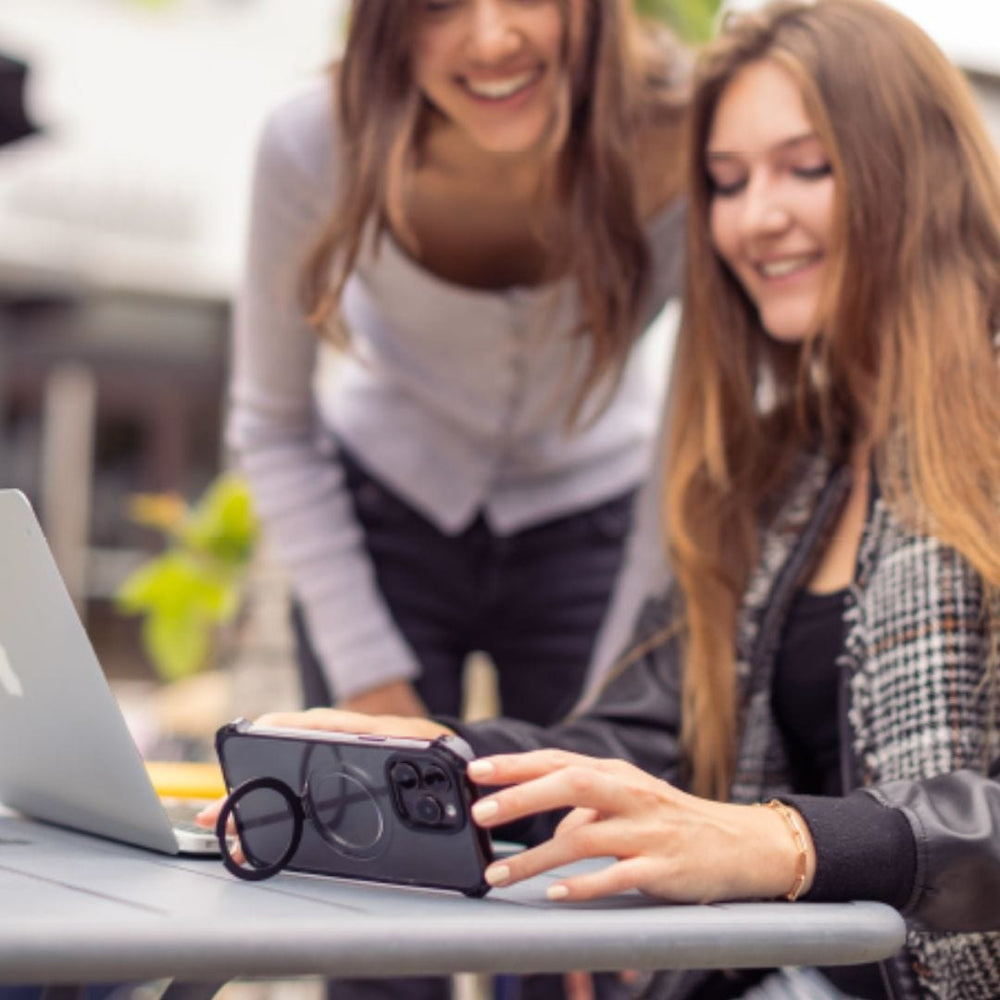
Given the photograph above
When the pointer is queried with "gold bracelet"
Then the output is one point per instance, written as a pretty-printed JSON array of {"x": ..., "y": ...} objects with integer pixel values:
[{"x": 800, "y": 845}]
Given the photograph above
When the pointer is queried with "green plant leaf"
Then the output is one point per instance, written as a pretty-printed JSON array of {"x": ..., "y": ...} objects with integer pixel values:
[
  {"x": 159, "y": 584},
  {"x": 178, "y": 644},
  {"x": 222, "y": 525},
  {"x": 693, "y": 20},
  {"x": 195, "y": 586}
]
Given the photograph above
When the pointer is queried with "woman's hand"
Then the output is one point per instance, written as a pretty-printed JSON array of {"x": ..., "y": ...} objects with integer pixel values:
[
  {"x": 668, "y": 844},
  {"x": 395, "y": 698},
  {"x": 338, "y": 720}
]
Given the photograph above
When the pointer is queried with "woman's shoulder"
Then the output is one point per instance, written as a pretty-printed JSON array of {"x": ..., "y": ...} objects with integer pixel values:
[{"x": 299, "y": 133}]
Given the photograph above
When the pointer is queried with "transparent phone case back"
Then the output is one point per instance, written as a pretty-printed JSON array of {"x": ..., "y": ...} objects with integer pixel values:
[{"x": 372, "y": 811}]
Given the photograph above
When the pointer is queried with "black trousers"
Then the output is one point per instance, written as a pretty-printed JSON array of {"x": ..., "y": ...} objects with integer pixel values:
[{"x": 533, "y": 601}]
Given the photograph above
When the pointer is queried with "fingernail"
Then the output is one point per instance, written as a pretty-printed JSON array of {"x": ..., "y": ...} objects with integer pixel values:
[
  {"x": 480, "y": 768},
  {"x": 557, "y": 892},
  {"x": 497, "y": 874},
  {"x": 484, "y": 809}
]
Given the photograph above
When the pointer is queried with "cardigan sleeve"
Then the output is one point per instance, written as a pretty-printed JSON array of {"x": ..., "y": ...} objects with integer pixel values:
[{"x": 289, "y": 460}]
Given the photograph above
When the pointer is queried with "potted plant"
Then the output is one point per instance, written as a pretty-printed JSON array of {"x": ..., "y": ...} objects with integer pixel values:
[{"x": 193, "y": 590}]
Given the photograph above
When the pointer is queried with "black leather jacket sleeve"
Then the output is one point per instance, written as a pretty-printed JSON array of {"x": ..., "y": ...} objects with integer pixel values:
[
  {"x": 635, "y": 716},
  {"x": 955, "y": 820}
]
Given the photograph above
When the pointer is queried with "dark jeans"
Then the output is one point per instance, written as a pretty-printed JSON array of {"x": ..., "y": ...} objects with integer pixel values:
[{"x": 533, "y": 601}]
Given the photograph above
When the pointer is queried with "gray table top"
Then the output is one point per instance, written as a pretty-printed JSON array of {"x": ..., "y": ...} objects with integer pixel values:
[{"x": 77, "y": 908}]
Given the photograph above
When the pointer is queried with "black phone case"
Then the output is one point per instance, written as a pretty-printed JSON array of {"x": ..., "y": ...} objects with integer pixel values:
[{"x": 380, "y": 809}]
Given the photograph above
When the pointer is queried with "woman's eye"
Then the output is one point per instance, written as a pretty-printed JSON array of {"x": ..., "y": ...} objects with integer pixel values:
[
  {"x": 813, "y": 172},
  {"x": 726, "y": 187}
]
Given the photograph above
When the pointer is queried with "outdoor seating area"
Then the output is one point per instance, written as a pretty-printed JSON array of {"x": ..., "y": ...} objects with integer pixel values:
[{"x": 592, "y": 507}]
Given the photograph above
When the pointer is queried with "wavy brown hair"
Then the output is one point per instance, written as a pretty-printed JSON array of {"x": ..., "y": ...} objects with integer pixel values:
[
  {"x": 906, "y": 360},
  {"x": 622, "y": 78}
]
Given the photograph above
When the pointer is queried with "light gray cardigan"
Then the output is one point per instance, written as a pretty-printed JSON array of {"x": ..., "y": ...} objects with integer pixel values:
[{"x": 455, "y": 398}]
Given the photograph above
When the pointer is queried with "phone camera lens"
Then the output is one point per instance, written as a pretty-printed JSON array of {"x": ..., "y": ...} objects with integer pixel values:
[
  {"x": 435, "y": 778},
  {"x": 428, "y": 810},
  {"x": 405, "y": 776}
]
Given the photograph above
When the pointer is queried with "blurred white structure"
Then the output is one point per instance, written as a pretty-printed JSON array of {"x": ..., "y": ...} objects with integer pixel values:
[
  {"x": 139, "y": 181},
  {"x": 131, "y": 203},
  {"x": 968, "y": 32}
]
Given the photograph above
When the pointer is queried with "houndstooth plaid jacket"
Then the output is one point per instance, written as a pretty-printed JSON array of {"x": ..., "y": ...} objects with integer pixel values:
[{"x": 922, "y": 667}]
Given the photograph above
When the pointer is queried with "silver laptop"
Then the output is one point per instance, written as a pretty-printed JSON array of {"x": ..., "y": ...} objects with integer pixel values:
[{"x": 66, "y": 755}]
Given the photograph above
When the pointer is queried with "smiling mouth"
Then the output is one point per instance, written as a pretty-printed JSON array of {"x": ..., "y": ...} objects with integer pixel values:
[
  {"x": 502, "y": 90},
  {"x": 787, "y": 265}
]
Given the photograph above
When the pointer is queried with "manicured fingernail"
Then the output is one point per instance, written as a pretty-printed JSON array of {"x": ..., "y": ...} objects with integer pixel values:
[
  {"x": 480, "y": 768},
  {"x": 557, "y": 892},
  {"x": 497, "y": 874},
  {"x": 484, "y": 809}
]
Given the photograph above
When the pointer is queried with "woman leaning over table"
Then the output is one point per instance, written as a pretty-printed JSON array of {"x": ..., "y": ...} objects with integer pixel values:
[
  {"x": 831, "y": 639},
  {"x": 480, "y": 205}
]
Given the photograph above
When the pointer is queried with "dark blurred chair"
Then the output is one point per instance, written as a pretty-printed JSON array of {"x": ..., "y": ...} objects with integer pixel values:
[
  {"x": 14, "y": 121},
  {"x": 104, "y": 377}
]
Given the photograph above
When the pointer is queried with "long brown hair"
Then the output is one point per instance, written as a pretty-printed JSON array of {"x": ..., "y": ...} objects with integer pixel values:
[
  {"x": 906, "y": 356},
  {"x": 619, "y": 82}
]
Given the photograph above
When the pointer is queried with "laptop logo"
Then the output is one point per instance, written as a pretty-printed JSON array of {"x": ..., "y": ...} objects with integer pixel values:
[{"x": 9, "y": 680}]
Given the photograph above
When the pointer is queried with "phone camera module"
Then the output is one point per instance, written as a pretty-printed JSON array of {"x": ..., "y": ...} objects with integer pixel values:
[
  {"x": 428, "y": 810},
  {"x": 425, "y": 793},
  {"x": 435, "y": 779},
  {"x": 405, "y": 776}
]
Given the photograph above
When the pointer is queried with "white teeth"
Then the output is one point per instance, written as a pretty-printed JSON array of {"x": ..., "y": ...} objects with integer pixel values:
[
  {"x": 779, "y": 268},
  {"x": 496, "y": 90}
]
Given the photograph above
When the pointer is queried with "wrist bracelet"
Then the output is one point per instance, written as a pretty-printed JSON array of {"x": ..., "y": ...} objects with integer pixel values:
[{"x": 800, "y": 845}]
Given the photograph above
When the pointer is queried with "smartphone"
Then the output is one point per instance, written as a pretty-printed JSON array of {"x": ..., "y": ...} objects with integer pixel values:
[{"x": 358, "y": 806}]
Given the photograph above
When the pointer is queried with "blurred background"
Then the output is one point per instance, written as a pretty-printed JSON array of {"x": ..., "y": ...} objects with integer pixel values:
[{"x": 126, "y": 137}]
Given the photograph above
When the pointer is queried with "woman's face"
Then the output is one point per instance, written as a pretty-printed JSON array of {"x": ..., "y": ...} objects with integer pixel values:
[
  {"x": 772, "y": 202},
  {"x": 493, "y": 68}
]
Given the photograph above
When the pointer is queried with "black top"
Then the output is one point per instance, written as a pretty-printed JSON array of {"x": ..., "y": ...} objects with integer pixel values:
[
  {"x": 806, "y": 690},
  {"x": 864, "y": 851}
]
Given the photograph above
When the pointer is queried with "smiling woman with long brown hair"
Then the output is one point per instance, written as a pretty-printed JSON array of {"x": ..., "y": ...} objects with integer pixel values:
[
  {"x": 479, "y": 206},
  {"x": 829, "y": 645},
  {"x": 902, "y": 373}
]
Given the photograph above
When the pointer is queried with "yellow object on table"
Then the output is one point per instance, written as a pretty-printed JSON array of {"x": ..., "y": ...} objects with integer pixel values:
[{"x": 186, "y": 779}]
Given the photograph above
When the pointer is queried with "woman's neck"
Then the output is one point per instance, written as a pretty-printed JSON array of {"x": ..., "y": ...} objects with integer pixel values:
[
  {"x": 836, "y": 566},
  {"x": 475, "y": 217},
  {"x": 449, "y": 153}
]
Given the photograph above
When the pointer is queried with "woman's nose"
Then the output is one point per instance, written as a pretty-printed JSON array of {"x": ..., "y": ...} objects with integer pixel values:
[
  {"x": 492, "y": 30},
  {"x": 764, "y": 211}
]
